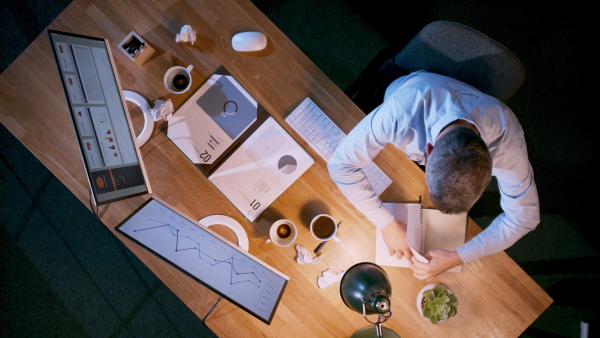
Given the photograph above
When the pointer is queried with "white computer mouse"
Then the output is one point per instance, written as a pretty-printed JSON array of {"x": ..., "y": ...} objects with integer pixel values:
[{"x": 249, "y": 41}]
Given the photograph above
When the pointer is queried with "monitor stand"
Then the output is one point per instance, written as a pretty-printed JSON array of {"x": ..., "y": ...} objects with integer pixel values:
[{"x": 232, "y": 224}]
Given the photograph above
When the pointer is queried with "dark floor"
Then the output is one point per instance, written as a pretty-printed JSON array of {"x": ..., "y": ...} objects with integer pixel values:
[{"x": 64, "y": 274}]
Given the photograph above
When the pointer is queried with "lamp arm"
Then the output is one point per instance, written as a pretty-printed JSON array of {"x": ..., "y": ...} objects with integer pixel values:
[{"x": 382, "y": 318}]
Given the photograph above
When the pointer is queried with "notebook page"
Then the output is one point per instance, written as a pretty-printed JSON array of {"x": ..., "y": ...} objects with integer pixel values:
[
  {"x": 410, "y": 214},
  {"x": 443, "y": 231}
]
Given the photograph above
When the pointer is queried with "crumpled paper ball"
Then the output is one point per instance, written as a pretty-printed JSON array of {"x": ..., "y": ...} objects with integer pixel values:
[
  {"x": 304, "y": 257},
  {"x": 187, "y": 34},
  {"x": 163, "y": 110},
  {"x": 328, "y": 278}
]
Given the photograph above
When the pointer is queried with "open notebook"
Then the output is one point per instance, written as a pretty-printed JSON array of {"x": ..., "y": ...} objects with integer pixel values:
[{"x": 427, "y": 229}]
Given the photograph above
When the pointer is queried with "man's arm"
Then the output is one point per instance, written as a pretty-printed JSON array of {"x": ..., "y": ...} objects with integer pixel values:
[
  {"x": 363, "y": 143},
  {"x": 518, "y": 198},
  {"x": 345, "y": 168},
  {"x": 520, "y": 203},
  {"x": 521, "y": 215}
]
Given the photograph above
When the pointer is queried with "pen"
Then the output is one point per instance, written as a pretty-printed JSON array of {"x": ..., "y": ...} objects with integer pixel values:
[{"x": 322, "y": 244}]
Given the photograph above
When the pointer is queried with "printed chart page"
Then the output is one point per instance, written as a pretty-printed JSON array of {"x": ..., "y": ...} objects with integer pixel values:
[
  {"x": 261, "y": 169},
  {"x": 213, "y": 118}
]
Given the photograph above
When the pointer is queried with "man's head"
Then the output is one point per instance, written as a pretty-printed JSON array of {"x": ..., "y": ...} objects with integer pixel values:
[{"x": 458, "y": 170}]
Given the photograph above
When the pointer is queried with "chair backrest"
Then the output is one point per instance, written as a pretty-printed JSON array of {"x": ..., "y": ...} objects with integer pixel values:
[{"x": 463, "y": 53}]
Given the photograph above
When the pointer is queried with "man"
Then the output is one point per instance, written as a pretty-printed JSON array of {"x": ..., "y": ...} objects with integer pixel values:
[{"x": 462, "y": 137}]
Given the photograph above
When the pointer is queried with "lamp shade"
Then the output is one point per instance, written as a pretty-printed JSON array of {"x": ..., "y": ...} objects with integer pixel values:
[{"x": 366, "y": 283}]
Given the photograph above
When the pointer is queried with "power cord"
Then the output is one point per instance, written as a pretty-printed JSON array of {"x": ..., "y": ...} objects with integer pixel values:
[{"x": 210, "y": 310}]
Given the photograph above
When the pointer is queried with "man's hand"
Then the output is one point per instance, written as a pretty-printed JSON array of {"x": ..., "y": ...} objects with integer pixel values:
[
  {"x": 439, "y": 261},
  {"x": 394, "y": 235}
]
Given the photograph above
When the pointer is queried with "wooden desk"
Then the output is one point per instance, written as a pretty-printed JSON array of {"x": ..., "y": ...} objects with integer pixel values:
[{"x": 497, "y": 298}]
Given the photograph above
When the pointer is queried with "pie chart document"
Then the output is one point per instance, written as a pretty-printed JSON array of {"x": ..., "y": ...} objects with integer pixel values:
[
  {"x": 261, "y": 169},
  {"x": 287, "y": 164}
]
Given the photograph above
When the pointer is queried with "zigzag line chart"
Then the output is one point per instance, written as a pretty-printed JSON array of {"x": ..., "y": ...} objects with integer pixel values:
[
  {"x": 229, "y": 270},
  {"x": 184, "y": 243}
]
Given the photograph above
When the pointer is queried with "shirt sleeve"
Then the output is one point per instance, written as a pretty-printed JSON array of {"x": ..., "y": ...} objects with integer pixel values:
[
  {"x": 520, "y": 204},
  {"x": 359, "y": 147}
]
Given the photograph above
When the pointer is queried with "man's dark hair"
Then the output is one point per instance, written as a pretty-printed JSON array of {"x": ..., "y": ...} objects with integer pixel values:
[{"x": 458, "y": 170}]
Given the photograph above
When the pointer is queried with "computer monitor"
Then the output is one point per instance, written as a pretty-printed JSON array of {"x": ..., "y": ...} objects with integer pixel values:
[
  {"x": 225, "y": 268},
  {"x": 110, "y": 154}
]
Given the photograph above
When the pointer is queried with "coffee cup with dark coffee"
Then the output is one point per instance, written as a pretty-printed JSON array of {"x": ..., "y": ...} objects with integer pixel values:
[
  {"x": 324, "y": 227},
  {"x": 282, "y": 233},
  {"x": 178, "y": 79}
]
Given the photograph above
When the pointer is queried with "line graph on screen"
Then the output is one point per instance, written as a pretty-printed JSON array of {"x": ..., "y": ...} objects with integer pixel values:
[
  {"x": 219, "y": 264},
  {"x": 185, "y": 243}
]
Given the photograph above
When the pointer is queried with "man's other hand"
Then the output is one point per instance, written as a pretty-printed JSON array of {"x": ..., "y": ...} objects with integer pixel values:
[
  {"x": 394, "y": 235},
  {"x": 439, "y": 261}
]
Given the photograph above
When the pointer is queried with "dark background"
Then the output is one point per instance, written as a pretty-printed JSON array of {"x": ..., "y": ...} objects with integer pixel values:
[{"x": 63, "y": 273}]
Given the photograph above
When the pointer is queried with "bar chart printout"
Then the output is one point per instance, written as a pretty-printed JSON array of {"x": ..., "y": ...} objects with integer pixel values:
[{"x": 225, "y": 268}]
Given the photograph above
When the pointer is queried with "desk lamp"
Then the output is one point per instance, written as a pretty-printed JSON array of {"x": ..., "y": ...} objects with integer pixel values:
[{"x": 366, "y": 289}]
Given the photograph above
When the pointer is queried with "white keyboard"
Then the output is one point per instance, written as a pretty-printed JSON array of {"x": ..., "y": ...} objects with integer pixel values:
[{"x": 319, "y": 131}]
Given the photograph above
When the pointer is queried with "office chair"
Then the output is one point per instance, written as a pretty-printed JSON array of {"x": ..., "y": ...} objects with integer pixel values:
[{"x": 446, "y": 48}]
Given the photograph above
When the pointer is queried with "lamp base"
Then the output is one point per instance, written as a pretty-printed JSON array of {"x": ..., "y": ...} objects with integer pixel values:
[{"x": 371, "y": 331}]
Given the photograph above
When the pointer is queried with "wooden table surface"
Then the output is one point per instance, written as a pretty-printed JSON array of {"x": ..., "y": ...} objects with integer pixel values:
[{"x": 497, "y": 298}]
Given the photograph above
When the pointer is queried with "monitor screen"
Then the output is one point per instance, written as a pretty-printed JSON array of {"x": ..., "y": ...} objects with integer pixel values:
[
  {"x": 110, "y": 155},
  {"x": 227, "y": 269}
]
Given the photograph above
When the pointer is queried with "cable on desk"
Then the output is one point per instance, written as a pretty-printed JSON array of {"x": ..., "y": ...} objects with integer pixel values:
[{"x": 211, "y": 309}]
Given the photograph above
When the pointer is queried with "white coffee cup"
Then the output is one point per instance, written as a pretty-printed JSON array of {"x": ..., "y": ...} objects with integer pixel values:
[
  {"x": 282, "y": 233},
  {"x": 324, "y": 227},
  {"x": 178, "y": 79}
]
